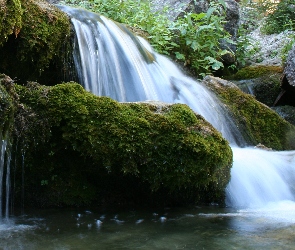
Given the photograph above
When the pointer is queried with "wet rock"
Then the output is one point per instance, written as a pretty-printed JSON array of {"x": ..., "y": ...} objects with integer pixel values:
[
  {"x": 286, "y": 112},
  {"x": 257, "y": 122}
]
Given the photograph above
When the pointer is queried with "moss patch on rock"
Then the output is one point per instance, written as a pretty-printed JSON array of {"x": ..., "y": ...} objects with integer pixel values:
[
  {"x": 7, "y": 106},
  {"x": 33, "y": 39},
  {"x": 265, "y": 89},
  {"x": 140, "y": 146},
  {"x": 257, "y": 122},
  {"x": 252, "y": 72},
  {"x": 10, "y": 19}
]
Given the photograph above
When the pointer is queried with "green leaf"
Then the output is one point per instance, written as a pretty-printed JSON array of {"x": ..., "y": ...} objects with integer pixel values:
[
  {"x": 179, "y": 56},
  {"x": 210, "y": 12},
  {"x": 199, "y": 16}
]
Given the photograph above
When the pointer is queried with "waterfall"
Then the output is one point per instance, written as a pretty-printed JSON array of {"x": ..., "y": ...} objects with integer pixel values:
[{"x": 111, "y": 61}]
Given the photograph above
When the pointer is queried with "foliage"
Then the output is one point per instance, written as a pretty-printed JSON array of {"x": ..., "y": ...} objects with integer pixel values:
[
  {"x": 193, "y": 39},
  {"x": 246, "y": 47},
  {"x": 280, "y": 18},
  {"x": 175, "y": 149},
  {"x": 136, "y": 14},
  {"x": 199, "y": 37},
  {"x": 258, "y": 123}
]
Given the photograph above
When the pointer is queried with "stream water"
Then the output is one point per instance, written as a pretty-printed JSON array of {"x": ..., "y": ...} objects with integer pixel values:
[
  {"x": 177, "y": 228},
  {"x": 260, "y": 212}
]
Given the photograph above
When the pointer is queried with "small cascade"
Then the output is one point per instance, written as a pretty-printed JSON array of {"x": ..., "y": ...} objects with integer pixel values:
[
  {"x": 111, "y": 61},
  {"x": 5, "y": 158},
  {"x": 260, "y": 177}
]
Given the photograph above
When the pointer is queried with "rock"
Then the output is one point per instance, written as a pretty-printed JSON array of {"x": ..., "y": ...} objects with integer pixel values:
[
  {"x": 257, "y": 122},
  {"x": 267, "y": 47},
  {"x": 92, "y": 144},
  {"x": 286, "y": 112},
  {"x": 287, "y": 95},
  {"x": 289, "y": 70},
  {"x": 261, "y": 146}
]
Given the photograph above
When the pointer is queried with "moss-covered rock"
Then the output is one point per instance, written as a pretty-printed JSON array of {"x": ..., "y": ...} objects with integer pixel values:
[
  {"x": 7, "y": 106},
  {"x": 10, "y": 19},
  {"x": 257, "y": 122},
  {"x": 265, "y": 89},
  {"x": 77, "y": 144},
  {"x": 33, "y": 38},
  {"x": 252, "y": 72}
]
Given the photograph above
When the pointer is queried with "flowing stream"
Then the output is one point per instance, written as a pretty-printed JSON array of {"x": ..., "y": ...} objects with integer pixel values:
[{"x": 260, "y": 196}]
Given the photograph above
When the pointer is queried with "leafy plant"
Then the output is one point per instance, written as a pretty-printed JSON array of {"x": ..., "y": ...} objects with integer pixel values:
[{"x": 199, "y": 38}]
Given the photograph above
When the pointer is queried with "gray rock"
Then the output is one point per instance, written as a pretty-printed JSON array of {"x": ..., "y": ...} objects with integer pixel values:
[
  {"x": 289, "y": 70},
  {"x": 286, "y": 112}
]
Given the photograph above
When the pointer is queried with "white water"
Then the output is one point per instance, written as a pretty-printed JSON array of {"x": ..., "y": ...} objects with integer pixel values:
[
  {"x": 4, "y": 179},
  {"x": 111, "y": 62},
  {"x": 261, "y": 177}
]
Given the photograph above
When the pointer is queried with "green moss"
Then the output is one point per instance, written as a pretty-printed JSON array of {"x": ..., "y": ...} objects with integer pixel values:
[
  {"x": 7, "y": 106},
  {"x": 173, "y": 150},
  {"x": 267, "y": 88},
  {"x": 41, "y": 34},
  {"x": 45, "y": 28},
  {"x": 10, "y": 19},
  {"x": 258, "y": 123},
  {"x": 252, "y": 72}
]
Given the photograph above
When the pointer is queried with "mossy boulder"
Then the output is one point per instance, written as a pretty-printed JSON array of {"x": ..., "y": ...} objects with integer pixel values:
[
  {"x": 34, "y": 36},
  {"x": 7, "y": 106},
  {"x": 257, "y": 122},
  {"x": 10, "y": 19},
  {"x": 78, "y": 147},
  {"x": 252, "y": 72},
  {"x": 265, "y": 89},
  {"x": 262, "y": 81}
]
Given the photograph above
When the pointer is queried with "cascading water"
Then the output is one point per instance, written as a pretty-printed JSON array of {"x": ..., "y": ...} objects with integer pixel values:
[
  {"x": 4, "y": 179},
  {"x": 112, "y": 62}
]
